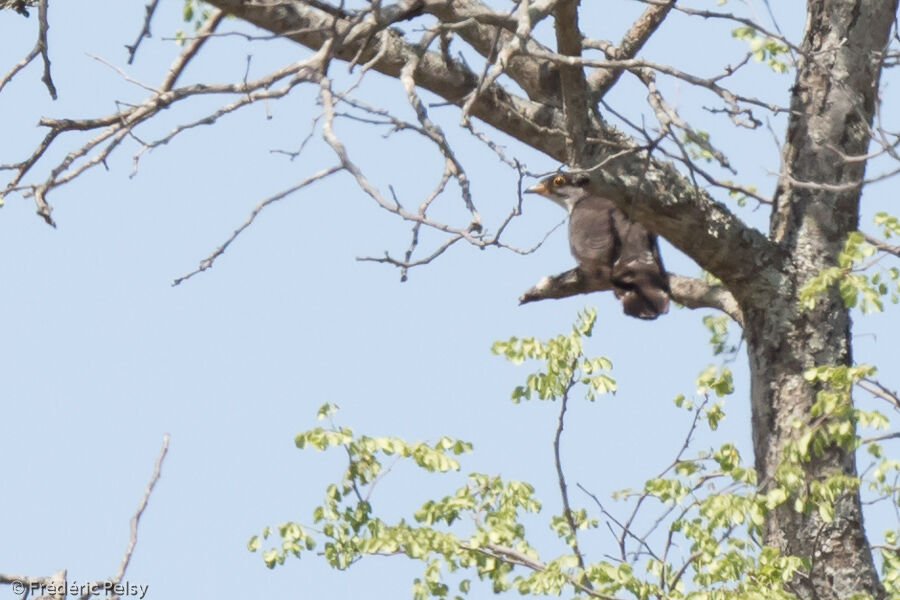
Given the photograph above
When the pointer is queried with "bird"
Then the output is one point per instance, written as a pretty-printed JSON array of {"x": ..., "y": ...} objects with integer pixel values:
[{"x": 610, "y": 249}]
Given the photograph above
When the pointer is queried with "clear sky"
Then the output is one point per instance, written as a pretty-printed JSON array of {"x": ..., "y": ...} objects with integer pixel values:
[{"x": 100, "y": 356}]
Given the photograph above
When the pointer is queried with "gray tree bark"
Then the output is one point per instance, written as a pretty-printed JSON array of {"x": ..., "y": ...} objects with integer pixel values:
[{"x": 832, "y": 108}]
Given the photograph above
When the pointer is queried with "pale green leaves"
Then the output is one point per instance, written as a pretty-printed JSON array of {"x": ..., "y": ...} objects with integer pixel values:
[
  {"x": 344, "y": 520},
  {"x": 890, "y": 566},
  {"x": 363, "y": 451},
  {"x": 560, "y": 525},
  {"x": 723, "y": 563},
  {"x": 856, "y": 286},
  {"x": 832, "y": 421},
  {"x": 194, "y": 12},
  {"x": 704, "y": 543},
  {"x": 765, "y": 49},
  {"x": 326, "y": 411},
  {"x": 698, "y": 145},
  {"x": 715, "y": 379},
  {"x": 889, "y": 224},
  {"x": 294, "y": 540},
  {"x": 719, "y": 335},
  {"x": 564, "y": 361},
  {"x": 740, "y": 193}
]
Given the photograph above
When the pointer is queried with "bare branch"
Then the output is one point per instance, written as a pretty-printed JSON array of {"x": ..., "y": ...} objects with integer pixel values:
[
  {"x": 40, "y": 49},
  {"x": 649, "y": 189},
  {"x": 150, "y": 9},
  {"x": 710, "y": 14},
  {"x": 207, "y": 262},
  {"x": 876, "y": 389},
  {"x": 689, "y": 291},
  {"x": 452, "y": 165},
  {"x": 561, "y": 478},
  {"x": 136, "y": 519},
  {"x": 602, "y": 80},
  {"x": 531, "y": 122},
  {"x": 42, "y": 46},
  {"x": 881, "y": 438},
  {"x": 883, "y": 246},
  {"x": 572, "y": 81},
  {"x": 56, "y": 586},
  {"x": 191, "y": 49},
  {"x": 483, "y": 28}
]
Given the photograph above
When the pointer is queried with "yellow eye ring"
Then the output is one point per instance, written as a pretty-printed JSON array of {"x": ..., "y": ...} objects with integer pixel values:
[{"x": 559, "y": 180}]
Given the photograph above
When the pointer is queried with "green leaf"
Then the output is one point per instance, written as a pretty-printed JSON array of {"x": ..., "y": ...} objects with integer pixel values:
[{"x": 326, "y": 410}]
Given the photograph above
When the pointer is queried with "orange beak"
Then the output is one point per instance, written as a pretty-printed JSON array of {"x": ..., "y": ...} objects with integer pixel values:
[{"x": 538, "y": 188}]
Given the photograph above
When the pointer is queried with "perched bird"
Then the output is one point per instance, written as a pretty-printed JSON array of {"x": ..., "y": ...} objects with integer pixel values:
[{"x": 609, "y": 248}]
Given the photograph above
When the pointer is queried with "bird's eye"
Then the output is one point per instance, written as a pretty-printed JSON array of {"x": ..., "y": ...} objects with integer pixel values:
[{"x": 559, "y": 180}]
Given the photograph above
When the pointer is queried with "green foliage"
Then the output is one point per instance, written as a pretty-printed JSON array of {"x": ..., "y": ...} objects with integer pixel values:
[
  {"x": 764, "y": 48},
  {"x": 344, "y": 522},
  {"x": 856, "y": 287},
  {"x": 833, "y": 421},
  {"x": 698, "y": 145},
  {"x": 717, "y": 380},
  {"x": 689, "y": 533},
  {"x": 703, "y": 541},
  {"x": 195, "y": 13},
  {"x": 890, "y": 564},
  {"x": 718, "y": 334},
  {"x": 890, "y": 225},
  {"x": 564, "y": 361},
  {"x": 739, "y": 196}
]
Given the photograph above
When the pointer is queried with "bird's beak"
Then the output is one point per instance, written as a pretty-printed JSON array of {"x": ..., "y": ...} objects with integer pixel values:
[{"x": 538, "y": 188}]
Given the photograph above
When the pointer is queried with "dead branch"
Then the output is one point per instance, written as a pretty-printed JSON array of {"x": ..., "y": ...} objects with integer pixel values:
[
  {"x": 149, "y": 10},
  {"x": 142, "y": 506},
  {"x": 40, "y": 47},
  {"x": 55, "y": 586},
  {"x": 207, "y": 262}
]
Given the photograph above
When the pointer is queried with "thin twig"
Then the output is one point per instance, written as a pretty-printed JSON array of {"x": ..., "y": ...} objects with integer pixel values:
[
  {"x": 563, "y": 489},
  {"x": 150, "y": 9},
  {"x": 207, "y": 262},
  {"x": 135, "y": 520}
]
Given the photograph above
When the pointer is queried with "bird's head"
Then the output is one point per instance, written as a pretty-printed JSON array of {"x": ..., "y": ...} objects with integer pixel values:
[{"x": 566, "y": 189}]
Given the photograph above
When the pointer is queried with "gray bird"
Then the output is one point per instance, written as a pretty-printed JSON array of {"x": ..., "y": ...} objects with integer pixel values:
[{"x": 610, "y": 249}]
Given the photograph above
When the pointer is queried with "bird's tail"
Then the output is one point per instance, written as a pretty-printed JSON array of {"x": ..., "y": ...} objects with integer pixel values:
[{"x": 644, "y": 295}]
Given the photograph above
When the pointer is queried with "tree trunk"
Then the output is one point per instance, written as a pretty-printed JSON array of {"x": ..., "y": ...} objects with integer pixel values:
[
  {"x": 782, "y": 343},
  {"x": 816, "y": 207}
]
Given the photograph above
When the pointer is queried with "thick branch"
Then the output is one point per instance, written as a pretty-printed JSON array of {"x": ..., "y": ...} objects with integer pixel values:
[
  {"x": 573, "y": 83},
  {"x": 533, "y": 123},
  {"x": 688, "y": 291},
  {"x": 652, "y": 192},
  {"x": 602, "y": 80},
  {"x": 660, "y": 198},
  {"x": 483, "y": 29}
]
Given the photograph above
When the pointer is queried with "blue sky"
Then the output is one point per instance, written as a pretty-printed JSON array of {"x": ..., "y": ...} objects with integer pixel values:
[{"x": 101, "y": 356}]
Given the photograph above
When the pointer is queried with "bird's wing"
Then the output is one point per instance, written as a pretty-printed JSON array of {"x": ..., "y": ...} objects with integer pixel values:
[{"x": 592, "y": 237}]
